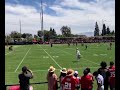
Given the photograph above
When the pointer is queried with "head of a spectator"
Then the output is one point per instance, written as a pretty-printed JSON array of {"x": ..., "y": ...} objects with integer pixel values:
[
  {"x": 24, "y": 69},
  {"x": 51, "y": 70},
  {"x": 88, "y": 70},
  {"x": 95, "y": 73},
  {"x": 111, "y": 63},
  {"x": 85, "y": 72},
  {"x": 103, "y": 64},
  {"x": 70, "y": 72},
  {"x": 63, "y": 72},
  {"x": 76, "y": 73}
]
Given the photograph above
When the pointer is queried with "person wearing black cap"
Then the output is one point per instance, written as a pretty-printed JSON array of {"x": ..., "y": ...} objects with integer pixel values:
[{"x": 24, "y": 78}]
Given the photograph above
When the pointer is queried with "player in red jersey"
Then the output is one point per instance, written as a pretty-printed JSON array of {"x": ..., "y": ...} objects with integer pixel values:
[
  {"x": 112, "y": 76},
  {"x": 86, "y": 81},
  {"x": 69, "y": 82}
]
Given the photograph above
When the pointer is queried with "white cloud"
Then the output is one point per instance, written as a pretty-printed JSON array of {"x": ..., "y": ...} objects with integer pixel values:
[{"x": 79, "y": 20}]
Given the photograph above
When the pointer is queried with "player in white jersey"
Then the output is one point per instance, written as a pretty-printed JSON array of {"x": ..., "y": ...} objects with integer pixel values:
[{"x": 78, "y": 54}]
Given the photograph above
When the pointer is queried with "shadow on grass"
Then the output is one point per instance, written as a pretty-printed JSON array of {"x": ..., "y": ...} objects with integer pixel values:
[{"x": 75, "y": 61}]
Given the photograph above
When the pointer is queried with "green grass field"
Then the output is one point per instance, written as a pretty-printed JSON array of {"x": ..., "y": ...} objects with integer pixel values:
[{"x": 40, "y": 57}]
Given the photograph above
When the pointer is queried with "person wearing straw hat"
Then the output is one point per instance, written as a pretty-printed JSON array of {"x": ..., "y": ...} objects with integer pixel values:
[
  {"x": 62, "y": 76},
  {"x": 52, "y": 79},
  {"x": 69, "y": 82},
  {"x": 78, "y": 54}
]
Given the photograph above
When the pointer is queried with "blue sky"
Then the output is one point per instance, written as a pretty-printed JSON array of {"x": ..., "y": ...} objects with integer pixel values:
[{"x": 80, "y": 15}]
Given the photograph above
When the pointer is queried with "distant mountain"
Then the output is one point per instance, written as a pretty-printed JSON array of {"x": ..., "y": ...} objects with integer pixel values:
[{"x": 87, "y": 34}]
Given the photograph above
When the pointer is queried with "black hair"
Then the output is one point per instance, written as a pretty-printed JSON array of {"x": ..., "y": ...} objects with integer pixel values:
[
  {"x": 85, "y": 72},
  {"x": 111, "y": 63},
  {"x": 24, "y": 69},
  {"x": 62, "y": 74},
  {"x": 95, "y": 73},
  {"x": 103, "y": 64},
  {"x": 88, "y": 70}
]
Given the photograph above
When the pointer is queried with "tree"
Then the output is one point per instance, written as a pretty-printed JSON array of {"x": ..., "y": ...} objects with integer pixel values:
[
  {"x": 66, "y": 31},
  {"x": 40, "y": 33},
  {"x": 108, "y": 31},
  {"x": 27, "y": 36},
  {"x": 46, "y": 35},
  {"x": 7, "y": 39},
  {"x": 36, "y": 37},
  {"x": 23, "y": 35},
  {"x": 15, "y": 34},
  {"x": 104, "y": 30},
  {"x": 52, "y": 33},
  {"x": 113, "y": 32},
  {"x": 96, "y": 32}
]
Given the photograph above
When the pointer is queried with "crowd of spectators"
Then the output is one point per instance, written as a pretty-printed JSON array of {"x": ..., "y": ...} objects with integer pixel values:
[{"x": 71, "y": 80}]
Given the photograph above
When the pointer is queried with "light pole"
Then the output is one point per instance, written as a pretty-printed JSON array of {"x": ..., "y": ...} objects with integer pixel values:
[
  {"x": 41, "y": 18},
  {"x": 20, "y": 28}
]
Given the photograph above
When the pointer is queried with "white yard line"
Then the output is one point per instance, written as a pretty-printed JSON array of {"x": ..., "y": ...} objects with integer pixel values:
[
  {"x": 22, "y": 59},
  {"x": 51, "y": 57},
  {"x": 82, "y": 57}
]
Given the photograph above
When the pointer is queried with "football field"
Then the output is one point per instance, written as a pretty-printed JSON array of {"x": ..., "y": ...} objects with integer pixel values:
[{"x": 39, "y": 58}]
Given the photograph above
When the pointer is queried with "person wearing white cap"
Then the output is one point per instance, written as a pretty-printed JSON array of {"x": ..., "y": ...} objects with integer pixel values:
[
  {"x": 77, "y": 78},
  {"x": 78, "y": 54}
]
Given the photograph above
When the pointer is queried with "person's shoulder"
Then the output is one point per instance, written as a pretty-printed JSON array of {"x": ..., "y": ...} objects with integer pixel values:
[
  {"x": 55, "y": 75},
  {"x": 90, "y": 74},
  {"x": 20, "y": 74},
  {"x": 100, "y": 76}
]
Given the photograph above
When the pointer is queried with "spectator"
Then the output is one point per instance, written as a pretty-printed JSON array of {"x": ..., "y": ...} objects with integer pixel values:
[
  {"x": 77, "y": 78},
  {"x": 24, "y": 78},
  {"x": 52, "y": 79},
  {"x": 105, "y": 73},
  {"x": 86, "y": 81},
  {"x": 100, "y": 80},
  {"x": 112, "y": 76},
  {"x": 69, "y": 82},
  {"x": 89, "y": 73},
  {"x": 62, "y": 76}
]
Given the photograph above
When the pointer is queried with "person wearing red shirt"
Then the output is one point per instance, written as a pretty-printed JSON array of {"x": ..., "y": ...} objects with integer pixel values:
[
  {"x": 69, "y": 82},
  {"x": 77, "y": 78},
  {"x": 112, "y": 76},
  {"x": 89, "y": 72},
  {"x": 86, "y": 81}
]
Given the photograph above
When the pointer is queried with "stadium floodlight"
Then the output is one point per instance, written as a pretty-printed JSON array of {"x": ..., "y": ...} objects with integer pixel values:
[
  {"x": 20, "y": 28},
  {"x": 41, "y": 19}
]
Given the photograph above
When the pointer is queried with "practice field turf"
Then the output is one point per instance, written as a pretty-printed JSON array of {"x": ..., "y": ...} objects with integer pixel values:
[{"x": 39, "y": 58}]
